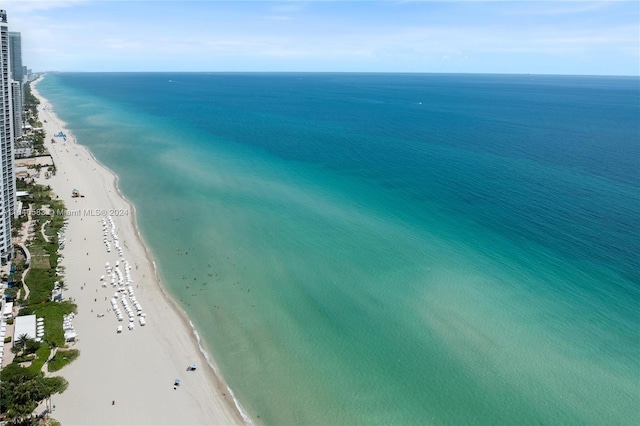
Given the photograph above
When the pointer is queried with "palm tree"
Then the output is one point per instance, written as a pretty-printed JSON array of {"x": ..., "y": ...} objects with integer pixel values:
[{"x": 22, "y": 341}]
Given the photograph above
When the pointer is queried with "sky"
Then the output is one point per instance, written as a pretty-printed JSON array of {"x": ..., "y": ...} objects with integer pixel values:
[{"x": 537, "y": 37}]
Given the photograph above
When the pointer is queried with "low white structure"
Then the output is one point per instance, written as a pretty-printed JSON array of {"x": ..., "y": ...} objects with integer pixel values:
[
  {"x": 70, "y": 336},
  {"x": 25, "y": 325},
  {"x": 8, "y": 310}
]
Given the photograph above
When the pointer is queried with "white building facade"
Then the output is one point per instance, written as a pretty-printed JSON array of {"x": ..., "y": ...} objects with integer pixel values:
[{"x": 7, "y": 167}]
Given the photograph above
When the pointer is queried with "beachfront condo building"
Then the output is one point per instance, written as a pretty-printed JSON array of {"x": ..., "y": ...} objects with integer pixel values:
[
  {"x": 16, "y": 76},
  {"x": 15, "y": 53},
  {"x": 16, "y": 72},
  {"x": 7, "y": 166}
]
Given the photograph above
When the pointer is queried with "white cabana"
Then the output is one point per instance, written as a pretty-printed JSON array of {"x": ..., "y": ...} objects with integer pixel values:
[
  {"x": 70, "y": 336},
  {"x": 25, "y": 325}
]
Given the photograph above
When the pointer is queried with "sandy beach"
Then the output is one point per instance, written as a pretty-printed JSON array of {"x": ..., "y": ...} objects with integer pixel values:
[{"x": 122, "y": 378}]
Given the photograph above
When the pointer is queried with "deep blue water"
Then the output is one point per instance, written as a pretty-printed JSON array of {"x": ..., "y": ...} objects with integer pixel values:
[{"x": 469, "y": 242}]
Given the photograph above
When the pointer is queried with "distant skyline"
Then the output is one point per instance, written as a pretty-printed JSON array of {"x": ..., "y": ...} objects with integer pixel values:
[{"x": 539, "y": 37}]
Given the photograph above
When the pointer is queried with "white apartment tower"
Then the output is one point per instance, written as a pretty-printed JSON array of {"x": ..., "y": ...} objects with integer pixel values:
[{"x": 7, "y": 168}]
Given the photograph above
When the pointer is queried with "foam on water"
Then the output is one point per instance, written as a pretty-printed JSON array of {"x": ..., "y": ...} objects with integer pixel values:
[{"x": 212, "y": 365}]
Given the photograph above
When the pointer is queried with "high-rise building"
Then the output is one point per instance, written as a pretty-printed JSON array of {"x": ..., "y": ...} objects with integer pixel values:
[
  {"x": 16, "y": 97},
  {"x": 16, "y": 72},
  {"x": 15, "y": 53},
  {"x": 7, "y": 168}
]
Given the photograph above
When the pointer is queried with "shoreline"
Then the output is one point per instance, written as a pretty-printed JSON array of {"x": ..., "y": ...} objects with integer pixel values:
[
  {"x": 213, "y": 387},
  {"x": 184, "y": 317}
]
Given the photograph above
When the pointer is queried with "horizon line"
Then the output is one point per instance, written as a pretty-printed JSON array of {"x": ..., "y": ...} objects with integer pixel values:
[{"x": 340, "y": 72}]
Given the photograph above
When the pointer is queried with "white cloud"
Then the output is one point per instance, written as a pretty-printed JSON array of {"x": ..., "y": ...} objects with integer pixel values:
[
  {"x": 559, "y": 8},
  {"x": 28, "y": 6},
  {"x": 298, "y": 37}
]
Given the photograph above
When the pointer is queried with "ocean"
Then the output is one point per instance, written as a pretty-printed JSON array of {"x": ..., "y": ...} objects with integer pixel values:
[{"x": 389, "y": 248}]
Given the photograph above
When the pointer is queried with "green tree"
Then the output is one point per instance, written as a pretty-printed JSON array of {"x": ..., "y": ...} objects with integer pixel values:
[
  {"x": 22, "y": 390},
  {"x": 22, "y": 341}
]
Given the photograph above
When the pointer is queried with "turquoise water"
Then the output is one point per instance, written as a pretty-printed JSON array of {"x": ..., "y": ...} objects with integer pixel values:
[{"x": 377, "y": 249}]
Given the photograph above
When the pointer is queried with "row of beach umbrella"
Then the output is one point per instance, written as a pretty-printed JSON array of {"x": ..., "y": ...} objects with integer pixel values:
[{"x": 122, "y": 281}]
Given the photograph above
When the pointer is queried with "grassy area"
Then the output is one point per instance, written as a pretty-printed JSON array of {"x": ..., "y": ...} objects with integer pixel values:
[
  {"x": 40, "y": 282},
  {"x": 42, "y": 354},
  {"x": 39, "y": 257},
  {"x": 49, "y": 229},
  {"x": 53, "y": 313},
  {"x": 62, "y": 358}
]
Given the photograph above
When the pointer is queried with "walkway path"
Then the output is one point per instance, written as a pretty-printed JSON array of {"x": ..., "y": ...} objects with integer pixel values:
[
  {"x": 42, "y": 231},
  {"x": 24, "y": 284}
]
